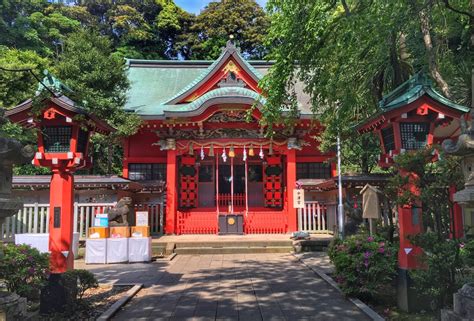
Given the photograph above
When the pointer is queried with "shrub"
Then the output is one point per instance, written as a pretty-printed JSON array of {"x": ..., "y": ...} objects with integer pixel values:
[
  {"x": 364, "y": 265},
  {"x": 447, "y": 265},
  {"x": 79, "y": 281},
  {"x": 24, "y": 269}
]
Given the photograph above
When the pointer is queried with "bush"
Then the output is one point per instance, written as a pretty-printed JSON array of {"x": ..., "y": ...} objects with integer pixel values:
[
  {"x": 364, "y": 265},
  {"x": 447, "y": 265},
  {"x": 24, "y": 269},
  {"x": 79, "y": 281}
]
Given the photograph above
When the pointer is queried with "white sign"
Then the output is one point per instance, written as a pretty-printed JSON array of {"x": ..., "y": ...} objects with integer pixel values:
[
  {"x": 141, "y": 218},
  {"x": 298, "y": 198}
]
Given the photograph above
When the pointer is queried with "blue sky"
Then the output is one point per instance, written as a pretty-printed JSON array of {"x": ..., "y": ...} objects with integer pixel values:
[{"x": 195, "y": 6}]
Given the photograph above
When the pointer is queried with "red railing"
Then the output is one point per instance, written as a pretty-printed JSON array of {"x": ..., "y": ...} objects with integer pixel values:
[
  {"x": 226, "y": 199},
  {"x": 197, "y": 223},
  {"x": 266, "y": 223}
]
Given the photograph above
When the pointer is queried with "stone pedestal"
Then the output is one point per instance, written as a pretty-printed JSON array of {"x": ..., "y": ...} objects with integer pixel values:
[
  {"x": 463, "y": 307},
  {"x": 12, "y": 306}
]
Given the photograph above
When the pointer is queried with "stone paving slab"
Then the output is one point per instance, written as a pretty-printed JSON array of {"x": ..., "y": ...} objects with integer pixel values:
[{"x": 228, "y": 287}]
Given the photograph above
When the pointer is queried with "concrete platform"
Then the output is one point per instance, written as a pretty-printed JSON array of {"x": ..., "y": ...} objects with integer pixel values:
[{"x": 233, "y": 244}]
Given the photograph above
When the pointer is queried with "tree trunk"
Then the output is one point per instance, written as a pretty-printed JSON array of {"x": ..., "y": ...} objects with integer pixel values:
[{"x": 424, "y": 15}]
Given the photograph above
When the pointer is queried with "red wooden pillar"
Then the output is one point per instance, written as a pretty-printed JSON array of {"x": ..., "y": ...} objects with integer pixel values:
[
  {"x": 171, "y": 192},
  {"x": 290, "y": 185},
  {"x": 410, "y": 221},
  {"x": 457, "y": 228},
  {"x": 61, "y": 216}
]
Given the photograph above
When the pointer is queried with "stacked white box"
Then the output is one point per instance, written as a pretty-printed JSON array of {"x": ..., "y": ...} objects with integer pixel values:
[
  {"x": 117, "y": 250},
  {"x": 139, "y": 249},
  {"x": 96, "y": 251}
]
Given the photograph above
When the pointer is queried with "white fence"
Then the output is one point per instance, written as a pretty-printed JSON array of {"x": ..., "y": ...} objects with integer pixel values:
[
  {"x": 313, "y": 218},
  {"x": 34, "y": 218}
]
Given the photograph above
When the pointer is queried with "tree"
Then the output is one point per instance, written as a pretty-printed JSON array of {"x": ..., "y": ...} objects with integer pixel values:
[
  {"x": 245, "y": 20},
  {"x": 97, "y": 76},
  {"x": 350, "y": 53}
]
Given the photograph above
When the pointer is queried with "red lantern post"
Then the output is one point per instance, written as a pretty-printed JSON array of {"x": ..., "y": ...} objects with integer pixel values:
[{"x": 63, "y": 131}]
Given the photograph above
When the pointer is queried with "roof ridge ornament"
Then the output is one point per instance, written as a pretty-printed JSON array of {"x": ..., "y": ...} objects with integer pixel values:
[
  {"x": 230, "y": 46},
  {"x": 53, "y": 84}
]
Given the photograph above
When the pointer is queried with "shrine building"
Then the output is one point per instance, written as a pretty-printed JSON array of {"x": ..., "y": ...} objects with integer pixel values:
[{"x": 201, "y": 134}]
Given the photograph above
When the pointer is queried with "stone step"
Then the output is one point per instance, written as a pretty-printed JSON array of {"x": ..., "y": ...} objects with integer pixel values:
[
  {"x": 311, "y": 245},
  {"x": 233, "y": 250},
  {"x": 223, "y": 244}
]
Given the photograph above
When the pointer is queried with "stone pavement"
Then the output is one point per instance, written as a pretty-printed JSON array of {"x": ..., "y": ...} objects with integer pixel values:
[{"x": 229, "y": 287}]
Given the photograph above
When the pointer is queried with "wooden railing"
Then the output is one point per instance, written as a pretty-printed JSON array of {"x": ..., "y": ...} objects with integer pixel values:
[
  {"x": 34, "y": 218},
  {"x": 313, "y": 218},
  {"x": 226, "y": 199}
]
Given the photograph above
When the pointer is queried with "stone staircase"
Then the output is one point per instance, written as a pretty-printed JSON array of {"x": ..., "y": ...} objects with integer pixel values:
[{"x": 161, "y": 248}]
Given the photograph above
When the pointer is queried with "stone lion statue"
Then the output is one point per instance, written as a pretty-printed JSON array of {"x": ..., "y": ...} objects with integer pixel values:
[{"x": 118, "y": 216}]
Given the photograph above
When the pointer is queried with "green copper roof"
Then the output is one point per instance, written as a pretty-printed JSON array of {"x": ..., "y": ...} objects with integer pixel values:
[
  {"x": 158, "y": 86},
  {"x": 194, "y": 107},
  {"x": 229, "y": 50},
  {"x": 411, "y": 90}
]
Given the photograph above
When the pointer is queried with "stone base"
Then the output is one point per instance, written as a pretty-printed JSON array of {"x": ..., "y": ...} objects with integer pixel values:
[
  {"x": 12, "y": 306},
  {"x": 53, "y": 298},
  {"x": 408, "y": 299}
]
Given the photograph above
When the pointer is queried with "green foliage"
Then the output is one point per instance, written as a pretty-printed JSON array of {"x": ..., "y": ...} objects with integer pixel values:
[
  {"x": 432, "y": 180},
  {"x": 23, "y": 269},
  {"x": 350, "y": 53},
  {"x": 97, "y": 76},
  {"x": 243, "y": 19},
  {"x": 365, "y": 265},
  {"x": 83, "y": 280},
  {"x": 16, "y": 87},
  {"x": 448, "y": 265}
]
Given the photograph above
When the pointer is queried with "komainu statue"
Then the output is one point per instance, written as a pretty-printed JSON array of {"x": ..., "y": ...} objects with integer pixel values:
[{"x": 118, "y": 216}]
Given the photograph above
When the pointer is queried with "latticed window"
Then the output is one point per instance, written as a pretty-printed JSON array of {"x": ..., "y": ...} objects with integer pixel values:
[
  {"x": 388, "y": 139},
  {"x": 147, "y": 172},
  {"x": 313, "y": 170},
  {"x": 57, "y": 139},
  {"x": 414, "y": 135}
]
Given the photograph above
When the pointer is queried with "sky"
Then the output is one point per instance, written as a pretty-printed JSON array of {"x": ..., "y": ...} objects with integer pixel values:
[{"x": 195, "y": 6}]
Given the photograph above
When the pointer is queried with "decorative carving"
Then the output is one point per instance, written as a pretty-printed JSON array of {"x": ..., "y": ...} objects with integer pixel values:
[
  {"x": 118, "y": 216},
  {"x": 231, "y": 81},
  {"x": 228, "y": 117}
]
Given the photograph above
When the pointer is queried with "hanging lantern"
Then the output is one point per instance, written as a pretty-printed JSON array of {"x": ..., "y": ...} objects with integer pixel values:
[
  {"x": 251, "y": 151},
  {"x": 211, "y": 151},
  {"x": 245, "y": 154},
  {"x": 224, "y": 155},
  {"x": 202, "y": 153},
  {"x": 191, "y": 150},
  {"x": 261, "y": 152},
  {"x": 231, "y": 152},
  {"x": 270, "y": 150}
]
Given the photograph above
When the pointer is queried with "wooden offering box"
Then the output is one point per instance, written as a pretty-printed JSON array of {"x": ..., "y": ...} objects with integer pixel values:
[
  {"x": 119, "y": 231},
  {"x": 143, "y": 230},
  {"x": 98, "y": 232}
]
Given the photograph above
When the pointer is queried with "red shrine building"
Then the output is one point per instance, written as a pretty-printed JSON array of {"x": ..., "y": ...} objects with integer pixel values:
[{"x": 202, "y": 135}]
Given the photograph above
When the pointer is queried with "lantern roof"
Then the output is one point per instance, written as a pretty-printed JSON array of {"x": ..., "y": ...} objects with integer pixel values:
[
  {"x": 22, "y": 113},
  {"x": 405, "y": 97},
  {"x": 411, "y": 90}
]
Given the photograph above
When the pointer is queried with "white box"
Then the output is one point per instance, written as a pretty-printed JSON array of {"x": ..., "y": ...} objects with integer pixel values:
[
  {"x": 96, "y": 251},
  {"x": 117, "y": 250},
  {"x": 139, "y": 249},
  {"x": 40, "y": 241}
]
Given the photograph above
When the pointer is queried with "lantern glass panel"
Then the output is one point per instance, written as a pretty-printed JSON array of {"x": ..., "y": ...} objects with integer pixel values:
[
  {"x": 388, "y": 139},
  {"x": 414, "y": 135},
  {"x": 57, "y": 139},
  {"x": 82, "y": 141}
]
